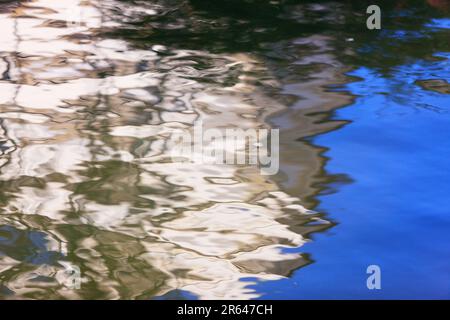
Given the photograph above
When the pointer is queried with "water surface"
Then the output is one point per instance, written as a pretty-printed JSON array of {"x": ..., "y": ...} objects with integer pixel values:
[{"x": 88, "y": 104}]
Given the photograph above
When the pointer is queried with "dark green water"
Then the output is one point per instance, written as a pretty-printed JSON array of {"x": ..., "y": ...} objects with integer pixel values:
[{"x": 90, "y": 91}]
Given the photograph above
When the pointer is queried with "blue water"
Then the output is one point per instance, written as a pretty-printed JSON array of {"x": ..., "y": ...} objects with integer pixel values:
[{"x": 396, "y": 213}]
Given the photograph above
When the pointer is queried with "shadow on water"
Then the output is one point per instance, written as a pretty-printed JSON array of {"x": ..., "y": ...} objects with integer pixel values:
[{"x": 87, "y": 108}]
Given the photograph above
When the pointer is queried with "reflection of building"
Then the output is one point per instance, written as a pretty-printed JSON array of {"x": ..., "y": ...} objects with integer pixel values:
[
  {"x": 85, "y": 120},
  {"x": 308, "y": 114}
]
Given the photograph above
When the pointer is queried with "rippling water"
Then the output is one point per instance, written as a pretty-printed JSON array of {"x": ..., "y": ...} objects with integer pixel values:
[{"x": 91, "y": 90}]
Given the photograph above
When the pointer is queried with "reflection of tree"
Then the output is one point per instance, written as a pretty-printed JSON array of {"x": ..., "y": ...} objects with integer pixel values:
[
  {"x": 139, "y": 227},
  {"x": 304, "y": 44},
  {"x": 27, "y": 246}
]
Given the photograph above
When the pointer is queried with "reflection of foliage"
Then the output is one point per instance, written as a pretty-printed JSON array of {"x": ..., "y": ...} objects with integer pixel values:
[
  {"x": 9, "y": 187},
  {"x": 26, "y": 245},
  {"x": 7, "y": 4},
  {"x": 242, "y": 26},
  {"x": 441, "y": 86},
  {"x": 112, "y": 182}
]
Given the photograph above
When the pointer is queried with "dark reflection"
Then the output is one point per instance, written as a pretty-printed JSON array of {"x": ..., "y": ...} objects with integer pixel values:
[
  {"x": 113, "y": 182},
  {"x": 307, "y": 46},
  {"x": 87, "y": 112}
]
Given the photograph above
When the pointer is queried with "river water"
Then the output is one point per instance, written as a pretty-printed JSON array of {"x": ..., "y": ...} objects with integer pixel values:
[{"x": 91, "y": 90}]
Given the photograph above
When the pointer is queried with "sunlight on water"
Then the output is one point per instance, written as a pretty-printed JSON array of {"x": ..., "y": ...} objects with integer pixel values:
[{"x": 84, "y": 125}]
